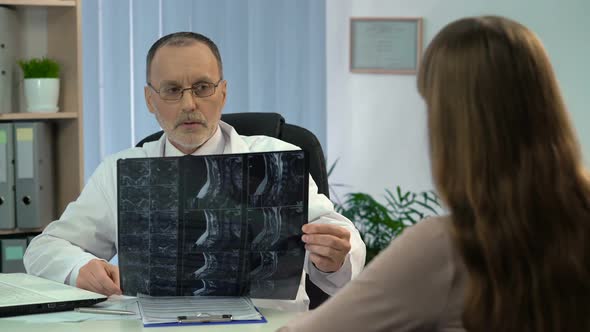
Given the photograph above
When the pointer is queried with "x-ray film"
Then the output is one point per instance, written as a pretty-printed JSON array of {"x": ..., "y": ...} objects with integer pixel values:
[{"x": 220, "y": 225}]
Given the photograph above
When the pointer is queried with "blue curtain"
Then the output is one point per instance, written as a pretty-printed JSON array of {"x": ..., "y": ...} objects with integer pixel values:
[{"x": 273, "y": 53}]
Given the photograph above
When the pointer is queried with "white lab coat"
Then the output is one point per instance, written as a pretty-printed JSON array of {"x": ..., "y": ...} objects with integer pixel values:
[{"x": 88, "y": 227}]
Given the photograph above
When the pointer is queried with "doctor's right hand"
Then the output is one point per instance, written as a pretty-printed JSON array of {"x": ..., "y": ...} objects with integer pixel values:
[{"x": 100, "y": 277}]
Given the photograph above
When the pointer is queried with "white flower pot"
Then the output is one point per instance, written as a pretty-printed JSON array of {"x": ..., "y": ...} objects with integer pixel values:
[{"x": 41, "y": 94}]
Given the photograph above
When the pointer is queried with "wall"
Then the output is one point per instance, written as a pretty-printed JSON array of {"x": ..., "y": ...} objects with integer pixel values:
[{"x": 376, "y": 123}]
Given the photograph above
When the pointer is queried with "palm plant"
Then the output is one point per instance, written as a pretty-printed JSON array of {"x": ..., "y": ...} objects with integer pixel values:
[
  {"x": 379, "y": 223},
  {"x": 333, "y": 193}
]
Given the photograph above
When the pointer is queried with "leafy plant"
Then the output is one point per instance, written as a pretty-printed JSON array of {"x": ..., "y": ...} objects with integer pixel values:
[
  {"x": 333, "y": 194},
  {"x": 39, "y": 68},
  {"x": 379, "y": 223}
]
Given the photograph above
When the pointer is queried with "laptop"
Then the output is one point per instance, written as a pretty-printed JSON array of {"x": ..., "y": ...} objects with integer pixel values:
[{"x": 24, "y": 294}]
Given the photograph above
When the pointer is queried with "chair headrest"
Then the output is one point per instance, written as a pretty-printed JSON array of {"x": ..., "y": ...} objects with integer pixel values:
[{"x": 255, "y": 123}]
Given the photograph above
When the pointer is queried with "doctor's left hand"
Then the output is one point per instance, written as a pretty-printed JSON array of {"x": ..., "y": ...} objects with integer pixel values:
[{"x": 327, "y": 244}]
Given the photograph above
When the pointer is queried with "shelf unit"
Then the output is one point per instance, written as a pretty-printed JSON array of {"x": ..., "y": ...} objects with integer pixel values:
[
  {"x": 44, "y": 3},
  {"x": 19, "y": 231},
  {"x": 37, "y": 116},
  {"x": 52, "y": 28}
]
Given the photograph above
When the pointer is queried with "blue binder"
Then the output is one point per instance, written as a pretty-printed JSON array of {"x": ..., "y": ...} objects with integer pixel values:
[{"x": 7, "y": 194}]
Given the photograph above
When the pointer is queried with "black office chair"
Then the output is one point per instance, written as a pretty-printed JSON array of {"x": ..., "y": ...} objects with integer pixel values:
[{"x": 273, "y": 125}]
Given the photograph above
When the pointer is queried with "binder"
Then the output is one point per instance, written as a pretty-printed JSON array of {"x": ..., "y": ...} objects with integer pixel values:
[
  {"x": 8, "y": 28},
  {"x": 13, "y": 251},
  {"x": 7, "y": 207},
  {"x": 30, "y": 238},
  {"x": 35, "y": 204}
]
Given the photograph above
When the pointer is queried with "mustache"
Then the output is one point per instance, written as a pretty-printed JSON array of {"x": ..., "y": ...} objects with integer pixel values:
[{"x": 192, "y": 118}]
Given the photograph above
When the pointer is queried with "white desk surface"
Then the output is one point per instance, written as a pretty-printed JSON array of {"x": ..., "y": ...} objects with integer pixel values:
[{"x": 275, "y": 320}]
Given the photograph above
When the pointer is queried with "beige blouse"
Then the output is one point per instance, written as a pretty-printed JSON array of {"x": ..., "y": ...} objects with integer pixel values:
[{"x": 416, "y": 284}]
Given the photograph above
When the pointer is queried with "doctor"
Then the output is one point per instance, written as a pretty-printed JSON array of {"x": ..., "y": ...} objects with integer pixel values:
[{"x": 186, "y": 92}]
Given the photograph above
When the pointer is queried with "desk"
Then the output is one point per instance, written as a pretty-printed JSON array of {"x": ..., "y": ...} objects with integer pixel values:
[{"x": 275, "y": 320}]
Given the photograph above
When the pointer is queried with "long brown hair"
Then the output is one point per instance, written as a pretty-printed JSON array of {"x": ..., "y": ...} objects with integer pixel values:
[{"x": 506, "y": 162}]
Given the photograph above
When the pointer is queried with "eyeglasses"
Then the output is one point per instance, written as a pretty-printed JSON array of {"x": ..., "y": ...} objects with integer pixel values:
[{"x": 175, "y": 93}]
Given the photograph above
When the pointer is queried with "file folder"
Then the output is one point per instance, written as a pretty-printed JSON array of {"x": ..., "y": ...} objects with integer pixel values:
[
  {"x": 8, "y": 50},
  {"x": 7, "y": 207},
  {"x": 13, "y": 251},
  {"x": 35, "y": 204},
  {"x": 30, "y": 238}
]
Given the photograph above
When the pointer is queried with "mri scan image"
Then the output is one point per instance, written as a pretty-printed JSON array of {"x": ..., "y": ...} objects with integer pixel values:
[
  {"x": 276, "y": 179},
  {"x": 223, "y": 225},
  {"x": 217, "y": 185},
  {"x": 275, "y": 228},
  {"x": 212, "y": 229}
]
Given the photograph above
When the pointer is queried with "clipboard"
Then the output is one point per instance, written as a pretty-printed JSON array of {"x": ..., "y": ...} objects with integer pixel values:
[
  {"x": 172, "y": 311},
  {"x": 231, "y": 322}
]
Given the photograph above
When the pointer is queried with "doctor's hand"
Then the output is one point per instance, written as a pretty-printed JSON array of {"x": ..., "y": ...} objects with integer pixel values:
[
  {"x": 100, "y": 277},
  {"x": 327, "y": 244}
]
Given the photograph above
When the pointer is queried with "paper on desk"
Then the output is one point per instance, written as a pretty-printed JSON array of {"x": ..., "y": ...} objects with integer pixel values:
[
  {"x": 166, "y": 309},
  {"x": 114, "y": 302}
]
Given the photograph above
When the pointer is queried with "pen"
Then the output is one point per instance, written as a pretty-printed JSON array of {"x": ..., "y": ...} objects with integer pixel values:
[
  {"x": 104, "y": 311},
  {"x": 205, "y": 318}
]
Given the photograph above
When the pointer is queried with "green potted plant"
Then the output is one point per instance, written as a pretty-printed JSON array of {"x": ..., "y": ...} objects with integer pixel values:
[
  {"x": 41, "y": 84},
  {"x": 379, "y": 223}
]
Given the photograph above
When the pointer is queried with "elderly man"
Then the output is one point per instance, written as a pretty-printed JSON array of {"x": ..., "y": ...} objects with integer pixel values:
[{"x": 186, "y": 92}]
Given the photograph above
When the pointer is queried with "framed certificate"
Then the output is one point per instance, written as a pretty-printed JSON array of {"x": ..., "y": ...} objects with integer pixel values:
[{"x": 386, "y": 45}]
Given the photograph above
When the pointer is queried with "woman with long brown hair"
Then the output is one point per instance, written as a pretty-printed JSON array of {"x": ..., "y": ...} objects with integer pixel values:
[{"x": 513, "y": 254}]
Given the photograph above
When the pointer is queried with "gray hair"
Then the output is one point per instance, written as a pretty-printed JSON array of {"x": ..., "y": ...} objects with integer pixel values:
[{"x": 182, "y": 39}]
